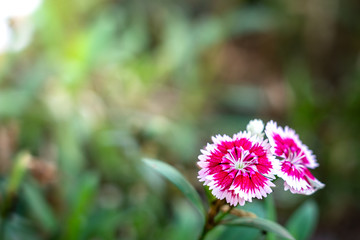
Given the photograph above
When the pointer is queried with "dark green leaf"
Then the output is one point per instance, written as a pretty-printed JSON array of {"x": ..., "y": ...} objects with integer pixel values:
[
  {"x": 303, "y": 221},
  {"x": 81, "y": 205},
  {"x": 17, "y": 227},
  {"x": 262, "y": 224},
  {"x": 180, "y": 182}
]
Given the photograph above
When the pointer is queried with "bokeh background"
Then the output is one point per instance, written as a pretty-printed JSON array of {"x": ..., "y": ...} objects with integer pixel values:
[{"x": 90, "y": 87}]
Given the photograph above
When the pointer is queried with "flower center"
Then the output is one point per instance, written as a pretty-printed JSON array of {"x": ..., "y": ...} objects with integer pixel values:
[
  {"x": 240, "y": 158},
  {"x": 239, "y": 165}
]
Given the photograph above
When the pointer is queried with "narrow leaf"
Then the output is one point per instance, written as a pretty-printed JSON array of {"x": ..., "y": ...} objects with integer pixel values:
[
  {"x": 16, "y": 177},
  {"x": 18, "y": 171},
  {"x": 39, "y": 208},
  {"x": 262, "y": 224},
  {"x": 179, "y": 181},
  {"x": 303, "y": 221},
  {"x": 82, "y": 204}
]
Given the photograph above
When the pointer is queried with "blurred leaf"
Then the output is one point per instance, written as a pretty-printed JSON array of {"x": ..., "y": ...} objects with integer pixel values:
[
  {"x": 233, "y": 233},
  {"x": 303, "y": 221},
  {"x": 185, "y": 225},
  {"x": 262, "y": 224},
  {"x": 18, "y": 171},
  {"x": 19, "y": 100},
  {"x": 178, "y": 179},
  {"x": 250, "y": 20},
  {"x": 207, "y": 32},
  {"x": 103, "y": 223},
  {"x": 184, "y": 141},
  {"x": 17, "y": 227},
  {"x": 244, "y": 98},
  {"x": 81, "y": 204},
  {"x": 71, "y": 159},
  {"x": 39, "y": 208},
  {"x": 256, "y": 207},
  {"x": 177, "y": 47}
]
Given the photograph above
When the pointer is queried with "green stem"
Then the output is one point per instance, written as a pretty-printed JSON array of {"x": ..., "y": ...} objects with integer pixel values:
[
  {"x": 210, "y": 222},
  {"x": 271, "y": 214},
  {"x": 222, "y": 215}
]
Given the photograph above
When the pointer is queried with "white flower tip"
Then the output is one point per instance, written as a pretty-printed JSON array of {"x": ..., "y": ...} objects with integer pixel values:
[
  {"x": 255, "y": 127},
  {"x": 316, "y": 183}
]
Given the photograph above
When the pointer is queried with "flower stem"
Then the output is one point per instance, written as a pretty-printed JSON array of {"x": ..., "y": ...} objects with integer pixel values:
[{"x": 210, "y": 218}]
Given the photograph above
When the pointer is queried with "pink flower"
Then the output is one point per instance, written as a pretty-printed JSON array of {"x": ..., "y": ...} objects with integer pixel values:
[
  {"x": 237, "y": 169},
  {"x": 295, "y": 159}
]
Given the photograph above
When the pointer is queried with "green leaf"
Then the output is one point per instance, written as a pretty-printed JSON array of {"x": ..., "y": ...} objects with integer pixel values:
[
  {"x": 103, "y": 223},
  {"x": 180, "y": 182},
  {"x": 303, "y": 221},
  {"x": 262, "y": 224},
  {"x": 39, "y": 208},
  {"x": 270, "y": 214},
  {"x": 16, "y": 177},
  {"x": 18, "y": 227},
  {"x": 232, "y": 233},
  {"x": 186, "y": 224},
  {"x": 82, "y": 203},
  {"x": 21, "y": 163}
]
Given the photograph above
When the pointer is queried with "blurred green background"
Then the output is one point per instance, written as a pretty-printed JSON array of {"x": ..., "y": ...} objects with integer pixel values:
[{"x": 92, "y": 87}]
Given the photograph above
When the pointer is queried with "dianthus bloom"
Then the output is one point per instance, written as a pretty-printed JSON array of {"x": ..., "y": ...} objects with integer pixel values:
[
  {"x": 239, "y": 168},
  {"x": 256, "y": 127},
  {"x": 295, "y": 159}
]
